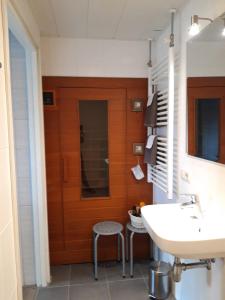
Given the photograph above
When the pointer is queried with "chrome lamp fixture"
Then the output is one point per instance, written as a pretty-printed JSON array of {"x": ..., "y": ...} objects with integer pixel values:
[{"x": 195, "y": 27}]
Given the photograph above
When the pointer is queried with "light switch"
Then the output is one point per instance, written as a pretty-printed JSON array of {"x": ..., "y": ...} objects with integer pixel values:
[{"x": 184, "y": 176}]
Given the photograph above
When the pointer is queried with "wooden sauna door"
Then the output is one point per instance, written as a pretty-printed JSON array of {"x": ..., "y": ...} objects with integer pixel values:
[{"x": 83, "y": 207}]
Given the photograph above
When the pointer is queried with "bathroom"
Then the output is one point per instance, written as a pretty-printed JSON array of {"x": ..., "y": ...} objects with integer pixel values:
[{"x": 68, "y": 47}]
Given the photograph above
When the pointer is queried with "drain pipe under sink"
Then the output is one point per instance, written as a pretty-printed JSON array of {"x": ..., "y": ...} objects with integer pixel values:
[{"x": 178, "y": 267}]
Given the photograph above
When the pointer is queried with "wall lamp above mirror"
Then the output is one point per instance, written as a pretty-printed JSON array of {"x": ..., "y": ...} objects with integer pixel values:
[{"x": 195, "y": 26}]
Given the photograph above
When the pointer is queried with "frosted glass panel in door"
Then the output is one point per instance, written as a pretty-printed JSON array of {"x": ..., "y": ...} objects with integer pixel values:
[{"x": 93, "y": 115}]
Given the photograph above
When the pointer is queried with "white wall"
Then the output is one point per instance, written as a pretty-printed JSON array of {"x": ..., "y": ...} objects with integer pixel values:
[
  {"x": 8, "y": 267},
  {"x": 22, "y": 151},
  {"x": 206, "y": 58},
  {"x": 93, "y": 58},
  {"x": 206, "y": 178},
  {"x": 8, "y": 280},
  {"x": 10, "y": 284}
]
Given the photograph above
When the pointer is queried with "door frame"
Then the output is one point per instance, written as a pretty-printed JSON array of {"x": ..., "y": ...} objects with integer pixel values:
[{"x": 13, "y": 22}]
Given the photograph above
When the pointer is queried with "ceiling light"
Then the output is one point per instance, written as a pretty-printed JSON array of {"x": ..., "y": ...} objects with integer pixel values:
[{"x": 195, "y": 27}]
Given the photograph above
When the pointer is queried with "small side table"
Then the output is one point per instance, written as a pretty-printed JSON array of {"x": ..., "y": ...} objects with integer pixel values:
[
  {"x": 130, "y": 231},
  {"x": 108, "y": 228}
]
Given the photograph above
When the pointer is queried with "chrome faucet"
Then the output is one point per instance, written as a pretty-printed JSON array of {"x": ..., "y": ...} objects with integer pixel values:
[{"x": 190, "y": 199}]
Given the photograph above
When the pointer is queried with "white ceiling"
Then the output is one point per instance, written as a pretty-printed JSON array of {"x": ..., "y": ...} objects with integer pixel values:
[{"x": 105, "y": 19}]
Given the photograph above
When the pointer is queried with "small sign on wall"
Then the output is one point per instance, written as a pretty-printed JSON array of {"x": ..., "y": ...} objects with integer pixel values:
[
  {"x": 138, "y": 148},
  {"x": 137, "y": 105},
  {"x": 48, "y": 98}
]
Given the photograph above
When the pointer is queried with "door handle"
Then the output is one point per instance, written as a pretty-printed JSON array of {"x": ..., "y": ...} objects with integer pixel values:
[{"x": 65, "y": 169}]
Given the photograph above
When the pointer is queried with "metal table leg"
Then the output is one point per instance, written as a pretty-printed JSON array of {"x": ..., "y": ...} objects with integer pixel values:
[
  {"x": 123, "y": 254},
  {"x": 131, "y": 255},
  {"x": 96, "y": 256}
]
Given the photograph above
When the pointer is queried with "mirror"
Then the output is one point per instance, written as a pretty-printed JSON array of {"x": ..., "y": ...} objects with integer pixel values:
[{"x": 206, "y": 93}]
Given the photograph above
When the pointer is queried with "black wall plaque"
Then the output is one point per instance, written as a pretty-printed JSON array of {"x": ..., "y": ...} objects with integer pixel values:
[{"x": 48, "y": 98}]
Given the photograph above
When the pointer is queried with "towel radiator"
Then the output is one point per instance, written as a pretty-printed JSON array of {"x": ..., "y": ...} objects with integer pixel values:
[{"x": 162, "y": 79}]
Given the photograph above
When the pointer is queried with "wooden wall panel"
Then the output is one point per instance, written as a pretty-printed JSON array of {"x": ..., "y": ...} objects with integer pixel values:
[
  {"x": 136, "y": 133},
  {"x": 137, "y": 190},
  {"x": 53, "y": 175}
]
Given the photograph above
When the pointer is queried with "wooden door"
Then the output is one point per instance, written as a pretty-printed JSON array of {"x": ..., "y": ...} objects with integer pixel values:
[{"x": 81, "y": 213}]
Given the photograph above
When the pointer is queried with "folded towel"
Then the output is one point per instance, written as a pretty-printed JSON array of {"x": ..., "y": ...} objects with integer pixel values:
[
  {"x": 151, "y": 111},
  {"x": 151, "y": 150}
]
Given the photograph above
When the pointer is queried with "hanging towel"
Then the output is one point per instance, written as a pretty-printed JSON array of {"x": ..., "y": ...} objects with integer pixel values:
[
  {"x": 150, "y": 97},
  {"x": 137, "y": 172},
  {"x": 151, "y": 111},
  {"x": 151, "y": 150}
]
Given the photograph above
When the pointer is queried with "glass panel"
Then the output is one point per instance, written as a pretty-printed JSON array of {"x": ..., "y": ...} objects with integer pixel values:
[
  {"x": 207, "y": 113},
  {"x": 94, "y": 148}
]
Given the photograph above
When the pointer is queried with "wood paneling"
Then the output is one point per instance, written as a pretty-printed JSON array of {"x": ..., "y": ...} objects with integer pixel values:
[
  {"x": 70, "y": 217},
  {"x": 53, "y": 82},
  {"x": 205, "y": 82},
  {"x": 53, "y": 175}
]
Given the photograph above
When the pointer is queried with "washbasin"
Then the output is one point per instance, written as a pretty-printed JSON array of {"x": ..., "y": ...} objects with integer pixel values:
[{"x": 184, "y": 232}]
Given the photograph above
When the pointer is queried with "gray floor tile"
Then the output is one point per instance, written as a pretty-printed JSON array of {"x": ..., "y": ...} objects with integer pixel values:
[
  {"x": 83, "y": 273},
  {"x": 146, "y": 280},
  {"x": 89, "y": 291},
  {"x": 60, "y": 275},
  {"x": 110, "y": 286},
  {"x": 53, "y": 293},
  {"x": 114, "y": 271},
  {"x": 29, "y": 293},
  {"x": 128, "y": 289},
  {"x": 144, "y": 267}
]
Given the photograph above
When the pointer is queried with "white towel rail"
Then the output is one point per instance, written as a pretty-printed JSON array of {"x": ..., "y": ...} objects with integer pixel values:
[{"x": 162, "y": 79}]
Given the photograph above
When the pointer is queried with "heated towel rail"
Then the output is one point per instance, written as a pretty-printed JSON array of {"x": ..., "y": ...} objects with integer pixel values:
[{"x": 162, "y": 80}]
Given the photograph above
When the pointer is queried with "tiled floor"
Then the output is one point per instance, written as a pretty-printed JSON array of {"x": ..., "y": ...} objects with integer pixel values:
[{"x": 75, "y": 282}]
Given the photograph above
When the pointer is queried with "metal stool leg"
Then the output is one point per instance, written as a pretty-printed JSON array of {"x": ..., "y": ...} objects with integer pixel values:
[
  {"x": 150, "y": 248},
  {"x": 127, "y": 246},
  {"x": 93, "y": 250},
  {"x": 131, "y": 255},
  {"x": 123, "y": 254},
  {"x": 118, "y": 241},
  {"x": 96, "y": 256}
]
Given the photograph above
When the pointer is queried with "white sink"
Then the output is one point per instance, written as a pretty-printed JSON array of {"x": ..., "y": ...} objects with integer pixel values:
[{"x": 184, "y": 232}]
